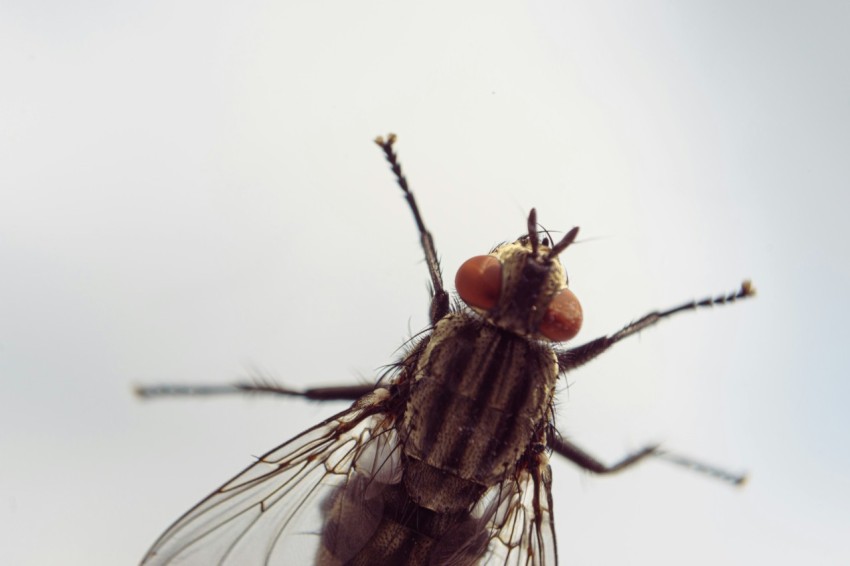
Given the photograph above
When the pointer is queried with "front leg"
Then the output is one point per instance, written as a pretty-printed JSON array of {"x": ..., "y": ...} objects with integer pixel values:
[{"x": 439, "y": 296}]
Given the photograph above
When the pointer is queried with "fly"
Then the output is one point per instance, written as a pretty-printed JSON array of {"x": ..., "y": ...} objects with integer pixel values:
[{"x": 445, "y": 460}]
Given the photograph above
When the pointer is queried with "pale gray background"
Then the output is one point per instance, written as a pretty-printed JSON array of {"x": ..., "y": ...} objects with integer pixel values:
[{"x": 188, "y": 190}]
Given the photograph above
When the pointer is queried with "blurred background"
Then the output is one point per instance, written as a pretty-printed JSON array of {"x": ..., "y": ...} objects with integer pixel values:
[{"x": 189, "y": 193}]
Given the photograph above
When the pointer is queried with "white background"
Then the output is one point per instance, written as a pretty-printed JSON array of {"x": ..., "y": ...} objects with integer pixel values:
[{"x": 189, "y": 191}]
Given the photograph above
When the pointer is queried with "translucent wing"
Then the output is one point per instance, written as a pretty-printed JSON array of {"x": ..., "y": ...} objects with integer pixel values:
[
  {"x": 521, "y": 520},
  {"x": 274, "y": 511},
  {"x": 318, "y": 497}
]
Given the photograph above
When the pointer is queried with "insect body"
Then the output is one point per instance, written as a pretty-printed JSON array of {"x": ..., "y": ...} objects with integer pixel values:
[{"x": 445, "y": 461}]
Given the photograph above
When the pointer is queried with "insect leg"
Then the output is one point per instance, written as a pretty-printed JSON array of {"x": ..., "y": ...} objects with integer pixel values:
[
  {"x": 580, "y": 355},
  {"x": 584, "y": 460},
  {"x": 581, "y": 458},
  {"x": 341, "y": 393},
  {"x": 439, "y": 296}
]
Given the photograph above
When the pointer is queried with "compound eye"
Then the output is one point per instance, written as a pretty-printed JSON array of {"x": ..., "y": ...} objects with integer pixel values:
[
  {"x": 563, "y": 317},
  {"x": 479, "y": 281}
]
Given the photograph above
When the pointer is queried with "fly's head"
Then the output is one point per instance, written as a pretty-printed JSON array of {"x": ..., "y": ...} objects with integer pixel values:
[{"x": 522, "y": 287}]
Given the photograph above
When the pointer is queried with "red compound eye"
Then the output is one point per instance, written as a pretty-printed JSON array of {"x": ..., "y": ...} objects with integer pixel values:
[
  {"x": 479, "y": 281},
  {"x": 563, "y": 317}
]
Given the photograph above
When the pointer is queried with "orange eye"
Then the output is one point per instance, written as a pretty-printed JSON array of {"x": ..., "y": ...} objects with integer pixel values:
[
  {"x": 563, "y": 317},
  {"x": 479, "y": 281}
]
